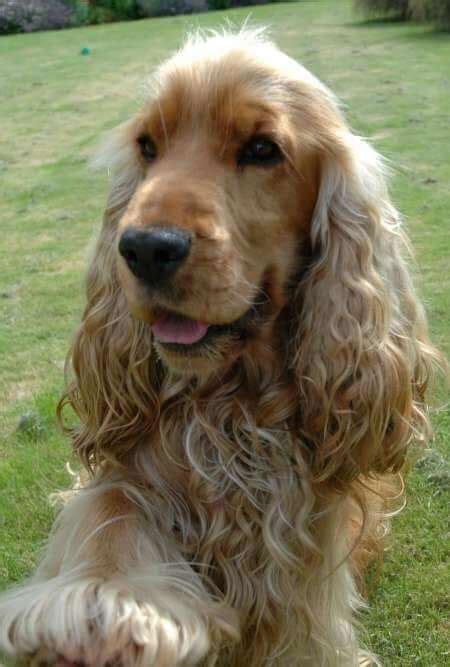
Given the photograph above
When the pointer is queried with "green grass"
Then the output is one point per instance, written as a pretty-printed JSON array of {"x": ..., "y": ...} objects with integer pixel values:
[{"x": 54, "y": 106}]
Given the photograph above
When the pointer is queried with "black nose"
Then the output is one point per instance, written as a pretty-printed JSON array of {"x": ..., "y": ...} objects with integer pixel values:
[{"x": 154, "y": 254}]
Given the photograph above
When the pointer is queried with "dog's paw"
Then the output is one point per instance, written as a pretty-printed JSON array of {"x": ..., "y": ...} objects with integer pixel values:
[{"x": 98, "y": 624}]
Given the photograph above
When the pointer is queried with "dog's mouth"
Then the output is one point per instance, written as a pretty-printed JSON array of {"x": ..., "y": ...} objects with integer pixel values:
[
  {"x": 182, "y": 334},
  {"x": 171, "y": 328}
]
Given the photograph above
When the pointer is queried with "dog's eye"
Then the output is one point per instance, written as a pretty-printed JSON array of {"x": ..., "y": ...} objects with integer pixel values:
[
  {"x": 259, "y": 151},
  {"x": 147, "y": 148}
]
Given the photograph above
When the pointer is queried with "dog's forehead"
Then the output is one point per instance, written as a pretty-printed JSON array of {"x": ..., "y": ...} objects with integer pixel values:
[
  {"x": 233, "y": 104},
  {"x": 231, "y": 85}
]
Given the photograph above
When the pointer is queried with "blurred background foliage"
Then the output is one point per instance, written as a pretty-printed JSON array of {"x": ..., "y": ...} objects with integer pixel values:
[
  {"x": 20, "y": 16},
  {"x": 436, "y": 11}
]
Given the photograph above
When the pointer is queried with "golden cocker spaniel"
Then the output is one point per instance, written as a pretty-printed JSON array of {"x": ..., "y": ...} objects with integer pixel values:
[{"x": 249, "y": 371}]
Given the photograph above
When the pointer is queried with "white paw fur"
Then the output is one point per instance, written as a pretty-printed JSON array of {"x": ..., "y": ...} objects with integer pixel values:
[{"x": 98, "y": 623}]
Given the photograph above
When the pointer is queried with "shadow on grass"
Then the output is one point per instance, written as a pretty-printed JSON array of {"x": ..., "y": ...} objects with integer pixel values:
[
  {"x": 375, "y": 21},
  {"x": 427, "y": 35},
  {"x": 412, "y": 30}
]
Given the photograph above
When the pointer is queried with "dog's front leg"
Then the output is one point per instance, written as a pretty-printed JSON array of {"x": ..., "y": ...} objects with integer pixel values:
[{"x": 112, "y": 590}]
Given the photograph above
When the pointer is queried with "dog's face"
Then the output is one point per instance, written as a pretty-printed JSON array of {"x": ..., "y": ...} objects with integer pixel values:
[{"x": 213, "y": 232}]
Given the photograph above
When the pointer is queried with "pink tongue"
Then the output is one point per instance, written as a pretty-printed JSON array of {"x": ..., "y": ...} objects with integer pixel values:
[{"x": 171, "y": 328}]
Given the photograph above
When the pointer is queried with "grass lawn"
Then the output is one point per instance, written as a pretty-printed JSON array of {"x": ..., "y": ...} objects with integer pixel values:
[{"x": 54, "y": 106}]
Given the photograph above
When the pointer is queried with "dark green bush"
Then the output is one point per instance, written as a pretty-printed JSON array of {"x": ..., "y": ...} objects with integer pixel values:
[
  {"x": 228, "y": 4},
  {"x": 115, "y": 9},
  {"x": 80, "y": 12},
  {"x": 103, "y": 11},
  {"x": 219, "y": 4},
  {"x": 437, "y": 11},
  {"x": 440, "y": 11},
  {"x": 398, "y": 8},
  {"x": 169, "y": 7}
]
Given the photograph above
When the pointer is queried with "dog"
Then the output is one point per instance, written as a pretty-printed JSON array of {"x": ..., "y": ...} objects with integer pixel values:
[{"x": 248, "y": 375}]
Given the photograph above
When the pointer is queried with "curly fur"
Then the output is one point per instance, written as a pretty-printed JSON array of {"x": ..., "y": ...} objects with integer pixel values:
[{"x": 233, "y": 503}]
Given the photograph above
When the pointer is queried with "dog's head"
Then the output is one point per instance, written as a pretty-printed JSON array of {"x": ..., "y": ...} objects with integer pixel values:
[
  {"x": 226, "y": 165},
  {"x": 242, "y": 210}
]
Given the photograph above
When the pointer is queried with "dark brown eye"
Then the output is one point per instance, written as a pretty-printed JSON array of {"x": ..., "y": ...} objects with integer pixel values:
[
  {"x": 147, "y": 148},
  {"x": 259, "y": 151}
]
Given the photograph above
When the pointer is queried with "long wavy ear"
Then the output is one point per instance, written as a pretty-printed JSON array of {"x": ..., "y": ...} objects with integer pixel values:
[
  {"x": 113, "y": 391},
  {"x": 362, "y": 358}
]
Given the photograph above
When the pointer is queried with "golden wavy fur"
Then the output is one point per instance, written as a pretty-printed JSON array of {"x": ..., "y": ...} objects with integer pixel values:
[{"x": 237, "y": 485}]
